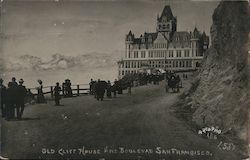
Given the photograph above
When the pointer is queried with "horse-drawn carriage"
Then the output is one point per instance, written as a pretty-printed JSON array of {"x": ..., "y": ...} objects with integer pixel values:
[{"x": 173, "y": 82}]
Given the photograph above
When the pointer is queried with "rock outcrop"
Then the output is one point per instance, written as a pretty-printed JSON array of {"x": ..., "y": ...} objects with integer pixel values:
[{"x": 219, "y": 93}]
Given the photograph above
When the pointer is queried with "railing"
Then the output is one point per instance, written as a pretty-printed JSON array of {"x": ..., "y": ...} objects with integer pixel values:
[{"x": 76, "y": 89}]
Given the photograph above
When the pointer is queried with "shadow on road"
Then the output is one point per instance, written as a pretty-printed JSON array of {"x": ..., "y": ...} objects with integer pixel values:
[{"x": 26, "y": 119}]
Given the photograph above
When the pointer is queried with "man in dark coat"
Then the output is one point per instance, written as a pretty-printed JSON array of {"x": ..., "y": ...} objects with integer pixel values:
[
  {"x": 119, "y": 87},
  {"x": 3, "y": 98},
  {"x": 10, "y": 102},
  {"x": 91, "y": 87},
  {"x": 109, "y": 89},
  {"x": 178, "y": 80},
  {"x": 100, "y": 89},
  {"x": 57, "y": 96},
  {"x": 14, "y": 96},
  {"x": 13, "y": 81},
  {"x": 114, "y": 87},
  {"x": 21, "y": 92}
]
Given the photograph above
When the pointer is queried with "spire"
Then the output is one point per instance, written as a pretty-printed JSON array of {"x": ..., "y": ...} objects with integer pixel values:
[
  {"x": 167, "y": 12},
  {"x": 130, "y": 33}
]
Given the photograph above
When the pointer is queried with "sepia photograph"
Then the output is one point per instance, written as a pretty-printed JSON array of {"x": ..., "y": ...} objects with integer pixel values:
[{"x": 125, "y": 79}]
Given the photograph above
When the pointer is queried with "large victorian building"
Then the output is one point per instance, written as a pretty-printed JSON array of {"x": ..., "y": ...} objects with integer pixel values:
[{"x": 166, "y": 49}]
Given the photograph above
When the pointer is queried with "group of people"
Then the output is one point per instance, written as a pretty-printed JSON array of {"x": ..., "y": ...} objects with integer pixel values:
[
  {"x": 13, "y": 96},
  {"x": 99, "y": 87},
  {"x": 139, "y": 79},
  {"x": 12, "y": 99},
  {"x": 67, "y": 90}
]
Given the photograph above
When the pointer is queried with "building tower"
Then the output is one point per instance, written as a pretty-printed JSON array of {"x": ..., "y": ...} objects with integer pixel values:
[
  {"x": 166, "y": 23},
  {"x": 195, "y": 36},
  {"x": 128, "y": 44}
]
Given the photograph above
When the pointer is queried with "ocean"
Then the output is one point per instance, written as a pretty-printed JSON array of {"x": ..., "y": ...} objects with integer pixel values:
[{"x": 50, "y": 77}]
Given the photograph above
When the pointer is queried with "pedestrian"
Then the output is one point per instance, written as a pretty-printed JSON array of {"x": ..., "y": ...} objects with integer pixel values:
[
  {"x": 178, "y": 81},
  {"x": 3, "y": 98},
  {"x": 68, "y": 88},
  {"x": 57, "y": 96},
  {"x": 22, "y": 92},
  {"x": 100, "y": 89},
  {"x": 13, "y": 86},
  {"x": 91, "y": 86},
  {"x": 119, "y": 86},
  {"x": 129, "y": 87},
  {"x": 13, "y": 81},
  {"x": 109, "y": 90},
  {"x": 115, "y": 87},
  {"x": 94, "y": 89},
  {"x": 10, "y": 102},
  {"x": 40, "y": 95},
  {"x": 167, "y": 83},
  {"x": 172, "y": 83}
]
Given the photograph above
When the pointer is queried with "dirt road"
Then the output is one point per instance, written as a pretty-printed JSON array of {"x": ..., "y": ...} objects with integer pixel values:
[{"x": 140, "y": 125}]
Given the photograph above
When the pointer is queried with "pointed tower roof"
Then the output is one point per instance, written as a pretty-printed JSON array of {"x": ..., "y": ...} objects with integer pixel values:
[
  {"x": 167, "y": 12},
  {"x": 196, "y": 33},
  {"x": 130, "y": 33}
]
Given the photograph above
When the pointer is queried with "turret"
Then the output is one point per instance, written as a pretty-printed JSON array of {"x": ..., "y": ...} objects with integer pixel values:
[
  {"x": 130, "y": 37},
  {"x": 205, "y": 40},
  {"x": 195, "y": 34},
  {"x": 128, "y": 43},
  {"x": 195, "y": 42}
]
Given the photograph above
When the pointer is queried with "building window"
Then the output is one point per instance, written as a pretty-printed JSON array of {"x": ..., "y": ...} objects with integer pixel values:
[
  {"x": 129, "y": 54},
  {"x": 186, "y": 54},
  {"x": 136, "y": 54},
  {"x": 197, "y": 53},
  {"x": 171, "y": 54},
  {"x": 143, "y": 54},
  {"x": 178, "y": 53}
]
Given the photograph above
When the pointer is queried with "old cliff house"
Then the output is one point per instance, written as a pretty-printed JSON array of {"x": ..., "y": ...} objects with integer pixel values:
[{"x": 166, "y": 49}]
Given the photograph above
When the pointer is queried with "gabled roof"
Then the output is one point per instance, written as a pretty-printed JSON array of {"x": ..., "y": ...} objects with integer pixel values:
[
  {"x": 153, "y": 35},
  {"x": 181, "y": 39},
  {"x": 181, "y": 36}
]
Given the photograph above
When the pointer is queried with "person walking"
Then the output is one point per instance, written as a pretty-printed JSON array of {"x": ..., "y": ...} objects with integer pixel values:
[
  {"x": 109, "y": 90},
  {"x": 91, "y": 87},
  {"x": 57, "y": 96},
  {"x": 22, "y": 92},
  {"x": 114, "y": 87},
  {"x": 178, "y": 81},
  {"x": 13, "y": 89},
  {"x": 100, "y": 89},
  {"x": 10, "y": 102},
  {"x": 129, "y": 87},
  {"x": 40, "y": 95},
  {"x": 3, "y": 98}
]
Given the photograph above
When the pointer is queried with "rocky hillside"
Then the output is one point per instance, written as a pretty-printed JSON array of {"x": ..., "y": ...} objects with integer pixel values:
[{"x": 219, "y": 93}]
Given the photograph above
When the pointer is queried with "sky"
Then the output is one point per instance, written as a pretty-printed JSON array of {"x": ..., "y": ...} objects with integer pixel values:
[{"x": 45, "y": 27}]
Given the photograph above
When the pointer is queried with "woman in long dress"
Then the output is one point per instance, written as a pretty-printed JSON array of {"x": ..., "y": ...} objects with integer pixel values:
[{"x": 40, "y": 95}]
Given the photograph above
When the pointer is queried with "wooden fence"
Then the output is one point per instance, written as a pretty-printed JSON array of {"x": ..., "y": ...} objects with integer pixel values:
[{"x": 49, "y": 90}]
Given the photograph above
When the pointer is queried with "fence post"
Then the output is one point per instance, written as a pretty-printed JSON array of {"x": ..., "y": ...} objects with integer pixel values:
[
  {"x": 78, "y": 90},
  {"x": 51, "y": 91}
]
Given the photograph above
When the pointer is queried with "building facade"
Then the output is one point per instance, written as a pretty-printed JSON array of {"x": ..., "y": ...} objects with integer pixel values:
[{"x": 166, "y": 49}]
